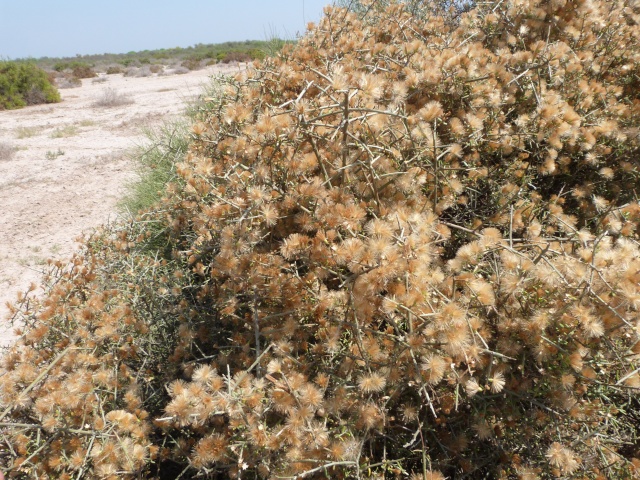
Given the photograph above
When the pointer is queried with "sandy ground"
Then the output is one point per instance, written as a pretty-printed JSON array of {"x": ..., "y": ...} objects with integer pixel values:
[{"x": 71, "y": 168}]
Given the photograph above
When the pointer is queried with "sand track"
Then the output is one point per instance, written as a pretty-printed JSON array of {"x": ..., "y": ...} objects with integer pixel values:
[{"x": 71, "y": 166}]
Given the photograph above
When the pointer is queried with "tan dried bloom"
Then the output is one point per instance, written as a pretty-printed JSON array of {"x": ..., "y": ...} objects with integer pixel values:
[
  {"x": 372, "y": 383},
  {"x": 563, "y": 458},
  {"x": 497, "y": 382}
]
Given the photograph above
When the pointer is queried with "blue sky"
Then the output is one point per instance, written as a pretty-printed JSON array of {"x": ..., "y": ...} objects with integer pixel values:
[{"x": 38, "y": 28}]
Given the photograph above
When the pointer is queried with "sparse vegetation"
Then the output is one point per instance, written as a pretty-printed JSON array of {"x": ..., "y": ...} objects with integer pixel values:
[
  {"x": 191, "y": 64},
  {"x": 52, "y": 155},
  {"x": 176, "y": 71},
  {"x": 83, "y": 71},
  {"x": 197, "y": 54},
  {"x": 64, "y": 132},
  {"x": 162, "y": 151},
  {"x": 236, "y": 57},
  {"x": 7, "y": 151},
  {"x": 67, "y": 80},
  {"x": 28, "y": 132},
  {"x": 112, "y": 98},
  {"x": 114, "y": 69},
  {"x": 72, "y": 65},
  {"x": 407, "y": 247},
  {"x": 23, "y": 84}
]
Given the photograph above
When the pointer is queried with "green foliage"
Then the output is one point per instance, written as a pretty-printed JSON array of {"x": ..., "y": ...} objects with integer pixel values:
[
  {"x": 191, "y": 64},
  {"x": 52, "y": 155},
  {"x": 236, "y": 57},
  {"x": 248, "y": 49},
  {"x": 64, "y": 132},
  {"x": 163, "y": 149},
  {"x": 156, "y": 158},
  {"x": 22, "y": 84},
  {"x": 83, "y": 71},
  {"x": 114, "y": 69},
  {"x": 71, "y": 65}
]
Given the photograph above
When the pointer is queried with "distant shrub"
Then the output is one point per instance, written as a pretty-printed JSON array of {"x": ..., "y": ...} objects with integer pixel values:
[
  {"x": 160, "y": 54},
  {"x": 23, "y": 83},
  {"x": 112, "y": 98},
  {"x": 83, "y": 71},
  {"x": 61, "y": 66},
  {"x": 101, "y": 79},
  {"x": 257, "y": 54},
  {"x": 155, "y": 68},
  {"x": 142, "y": 71},
  {"x": 72, "y": 66},
  {"x": 191, "y": 64},
  {"x": 237, "y": 57},
  {"x": 114, "y": 69},
  {"x": 67, "y": 80}
]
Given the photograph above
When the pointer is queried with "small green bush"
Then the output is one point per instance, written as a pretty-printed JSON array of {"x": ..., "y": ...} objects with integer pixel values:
[
  {"x": 114, "y": 69},
  {"x": 61, "y": 66},
  {"x": 191, "y": 64},
  {"x": 22, "y": 84},
  {"x": 83, "y": 71},
  {"x": 71, "y": 65},
  {"x": 64, "y": 132},
  {"x": 237, "y": 57}
]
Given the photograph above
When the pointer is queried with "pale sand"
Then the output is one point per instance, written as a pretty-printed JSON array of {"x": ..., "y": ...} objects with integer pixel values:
[{"x": 47, "y": 203}]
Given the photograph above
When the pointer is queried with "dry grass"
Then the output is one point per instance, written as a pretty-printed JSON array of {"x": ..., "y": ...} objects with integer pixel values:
[
  {"x": 7, "y": 151},
  {"x": 67, "y": 80},
  {"x": 64, "y": 132},
  {"x": 27, "y": 132},
  {"x": 112, "y": 98}
]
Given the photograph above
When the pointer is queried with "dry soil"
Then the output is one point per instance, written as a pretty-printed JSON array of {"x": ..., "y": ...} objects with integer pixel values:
[{"x": 71, "y": 167}]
